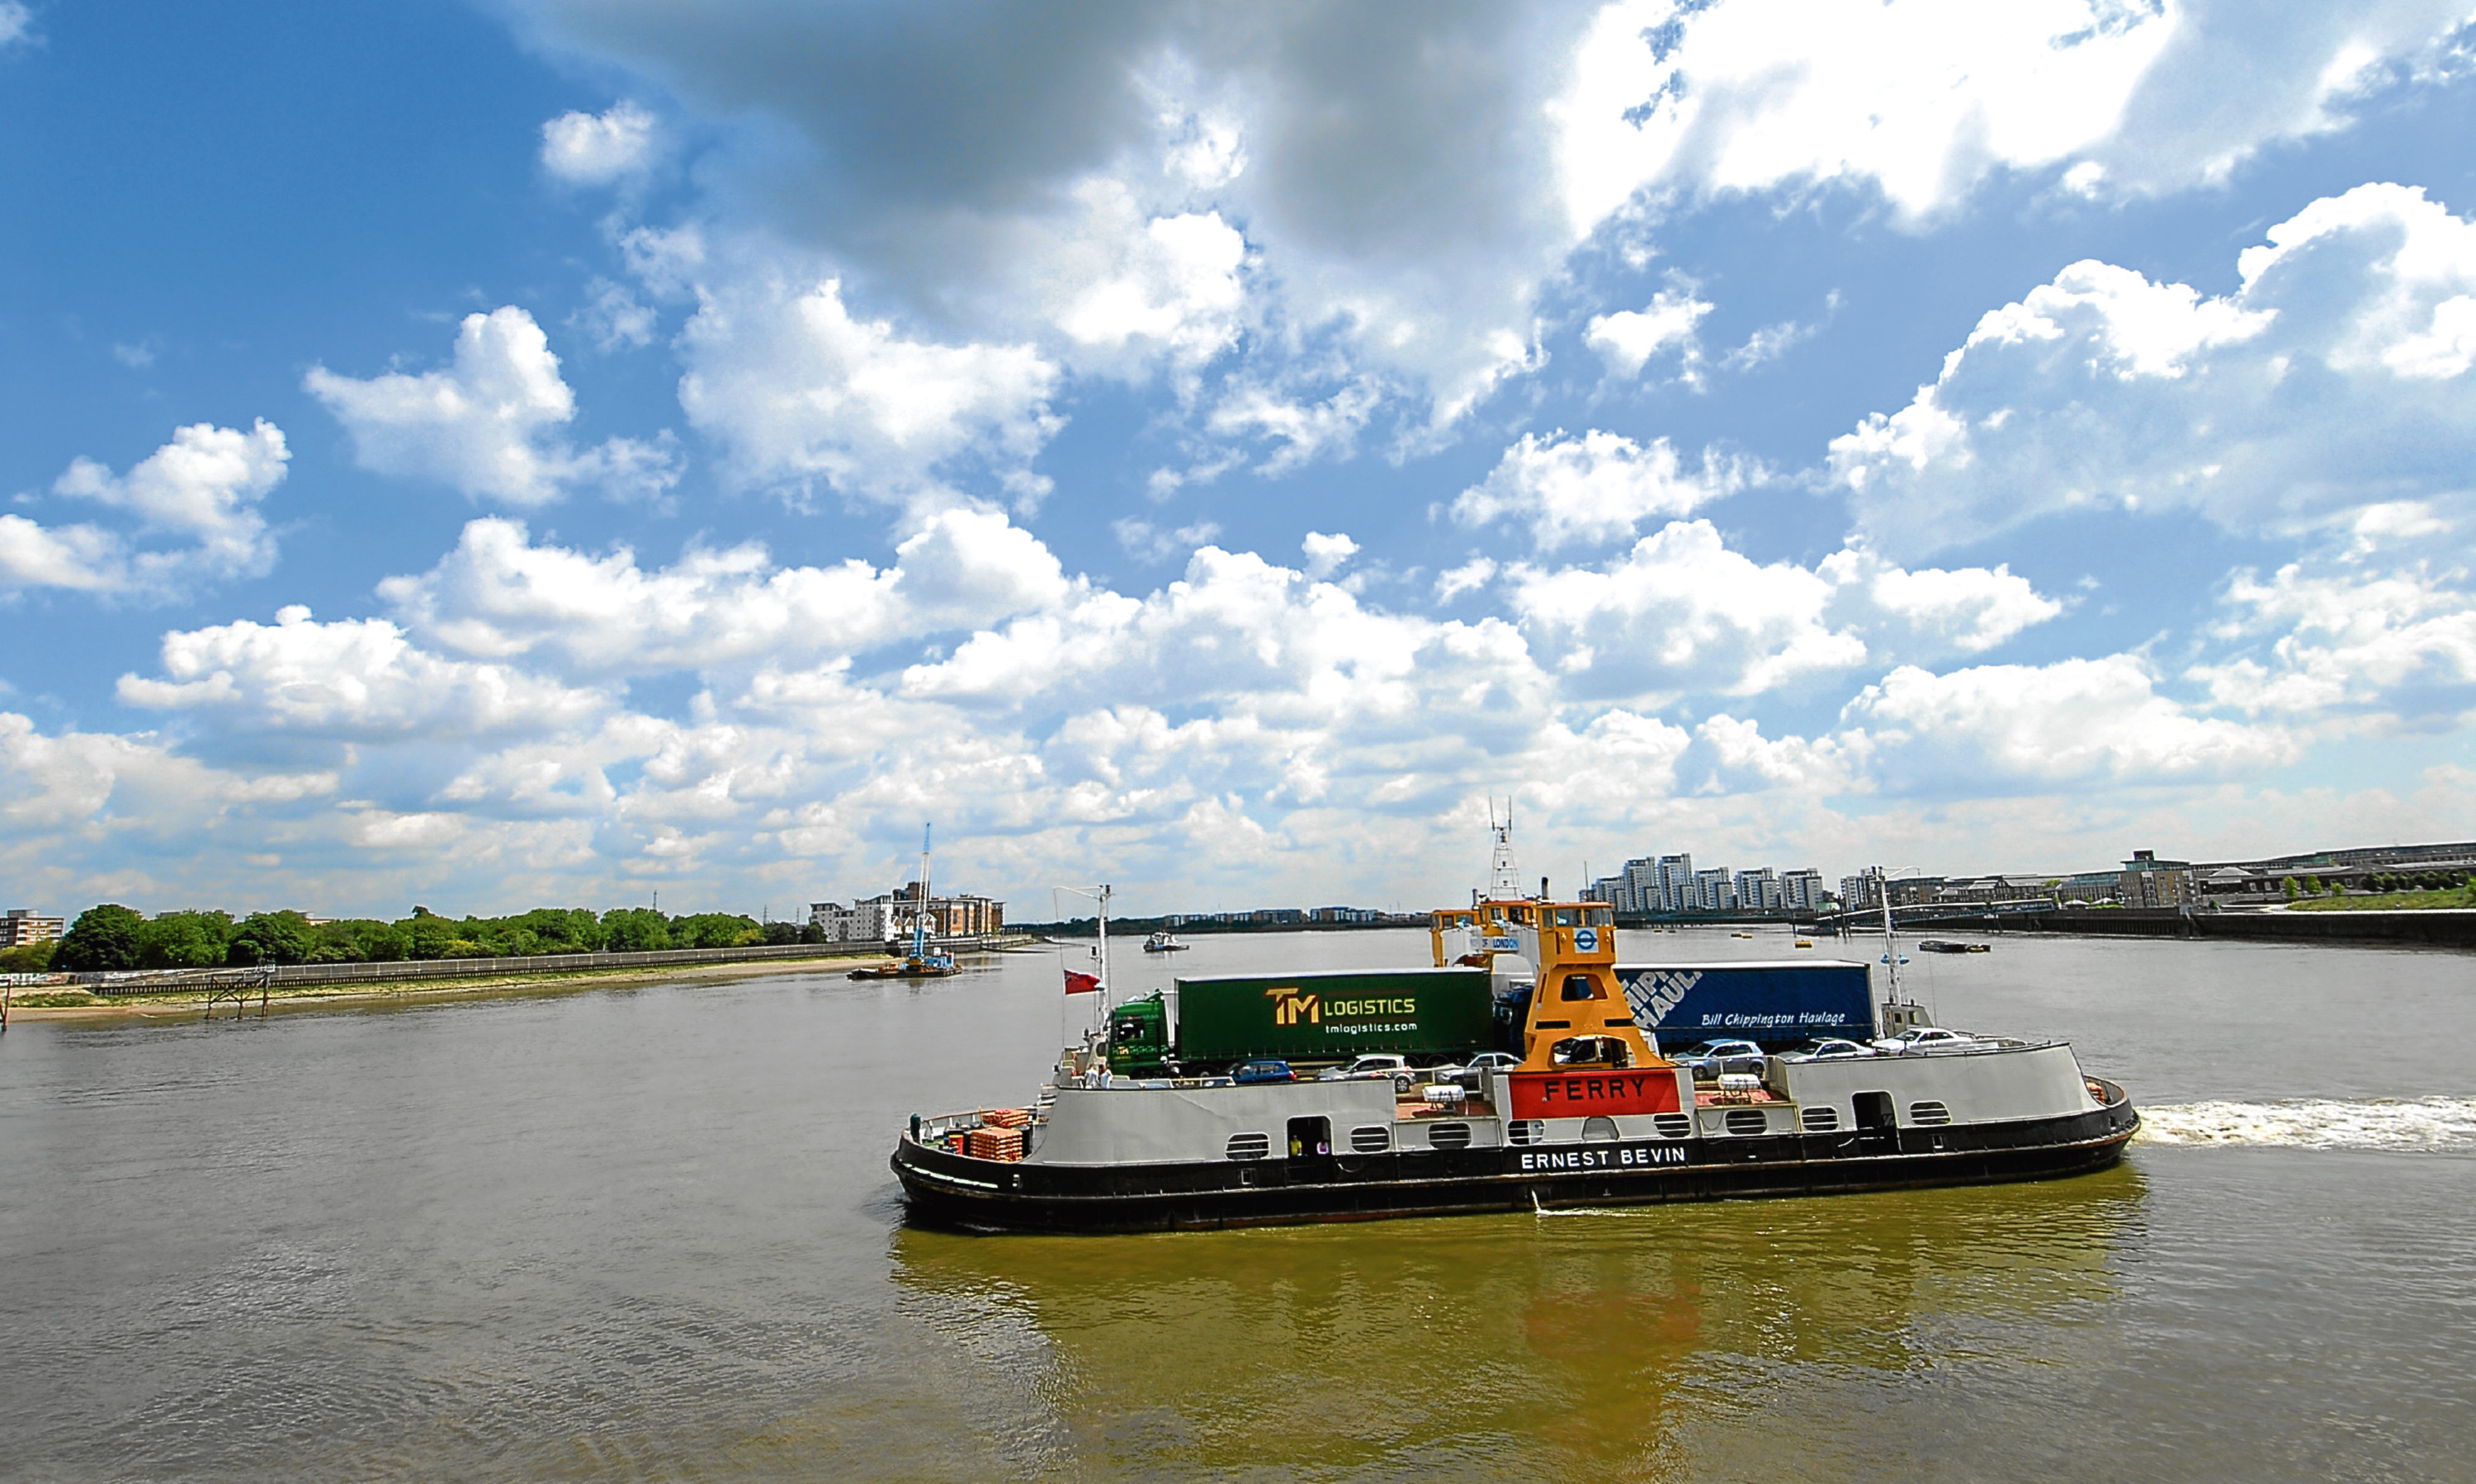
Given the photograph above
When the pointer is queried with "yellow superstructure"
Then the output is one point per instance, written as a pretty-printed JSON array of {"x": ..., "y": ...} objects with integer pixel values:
[{"x": 1578, "y": 1016}]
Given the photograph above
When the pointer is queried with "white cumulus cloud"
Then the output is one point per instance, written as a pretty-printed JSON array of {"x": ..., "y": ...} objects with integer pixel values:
[
  {"x": 2328, "y": 381},
  {"x": 500, "y": 595},
  {"x": 355, "y": 679},
  {"x": 487, "y": 424},
  {"x": 1591, "y": 489},
  {"x": 2398, "y": 645},
  {"x": 599, "y": 149},
  {"x": 203, "y": 488},
  {"x": 804, "y": 393},
  {"x": 1628, "y": 338},
  {"x": 2020, "y": 728},
  {"x": 1922, "y": 99}
]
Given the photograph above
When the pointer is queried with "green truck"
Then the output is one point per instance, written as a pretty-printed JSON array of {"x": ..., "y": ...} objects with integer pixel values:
[{"x": 1208, "y": 1025}]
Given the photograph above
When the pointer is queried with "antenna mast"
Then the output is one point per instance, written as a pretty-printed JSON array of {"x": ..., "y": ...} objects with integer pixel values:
[
  {"x": 1503, "y": 877},
  {"x": 920, "y": 914}
]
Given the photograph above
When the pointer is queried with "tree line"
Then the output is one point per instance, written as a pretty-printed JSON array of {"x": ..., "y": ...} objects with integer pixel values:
[{"x": 112, "y": 937}]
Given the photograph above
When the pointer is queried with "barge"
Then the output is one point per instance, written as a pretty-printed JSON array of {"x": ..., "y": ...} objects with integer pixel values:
[{"x": 1592, "y": 1115}]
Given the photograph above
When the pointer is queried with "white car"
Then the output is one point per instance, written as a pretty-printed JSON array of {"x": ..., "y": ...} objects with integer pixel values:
[
  {"x": 1928, "y": 1038},
  {"x": 1370, "y": 1067},
  {"x": 1498, "y": 1061},
  {"x": 1827, "y": 1049}
]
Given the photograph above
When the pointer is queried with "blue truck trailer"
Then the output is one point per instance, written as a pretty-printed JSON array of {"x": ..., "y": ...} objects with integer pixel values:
[{"x": 1775, "y": 1004}]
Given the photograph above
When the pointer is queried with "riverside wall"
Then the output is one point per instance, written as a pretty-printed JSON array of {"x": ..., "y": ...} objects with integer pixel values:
[
  {"x": 2439, "y": 928},
  {"x": 158, "y": 981}
]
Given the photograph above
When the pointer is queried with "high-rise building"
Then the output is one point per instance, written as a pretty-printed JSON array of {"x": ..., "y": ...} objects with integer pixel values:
[{"x": 24, "y": 926}]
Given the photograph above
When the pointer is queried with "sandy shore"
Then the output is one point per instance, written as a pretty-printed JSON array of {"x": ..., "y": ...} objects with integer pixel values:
[{"x": 191, "y": 1004}]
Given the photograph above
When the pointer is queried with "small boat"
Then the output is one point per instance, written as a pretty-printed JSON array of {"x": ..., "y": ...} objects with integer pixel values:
[
  {"x": 1947, "y": 946},
  {"x": 1740, "y": 934},
  {"x": 937, "y": 966},
  {"x": 1163, "y": 943},
  {"x": 1805, "y": 943},
  {"x": 924, "y": 962}
]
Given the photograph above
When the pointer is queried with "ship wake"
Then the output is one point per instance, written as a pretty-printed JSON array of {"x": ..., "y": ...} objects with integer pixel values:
[{"x": 2406, "y": 1123}]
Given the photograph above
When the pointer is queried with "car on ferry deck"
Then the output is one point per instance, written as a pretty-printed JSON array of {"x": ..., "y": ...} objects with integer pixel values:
[
  {"x": 1718, "y": 1058},
  {"x": 1248, "y": 1073},
  {"x": 1827, "y": 1049},
  {"x": 1373, "y": 1067},
  {"x": 1929, "y": 1038}
]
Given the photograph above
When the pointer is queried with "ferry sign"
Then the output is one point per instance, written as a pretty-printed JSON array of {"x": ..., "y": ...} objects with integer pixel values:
[
  {"x": 1507, "y": 944},
  {"x": 1582, "y": 1094}
]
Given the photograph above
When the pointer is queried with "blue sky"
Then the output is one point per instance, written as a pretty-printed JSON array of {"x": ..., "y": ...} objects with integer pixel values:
[{"x": 533, "y": 451}]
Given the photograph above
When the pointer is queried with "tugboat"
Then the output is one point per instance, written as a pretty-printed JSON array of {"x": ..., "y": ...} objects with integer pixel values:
[
  {"x": 922, "y": 963},
  {"x": 1591, "y": 1115}
]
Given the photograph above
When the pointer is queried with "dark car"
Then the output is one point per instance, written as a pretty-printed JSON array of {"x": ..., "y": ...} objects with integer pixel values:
[{"x": 1263, "y": 1072}]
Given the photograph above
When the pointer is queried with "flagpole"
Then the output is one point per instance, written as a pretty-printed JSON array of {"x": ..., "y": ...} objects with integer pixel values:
[{"x": 1101, "y": 894}]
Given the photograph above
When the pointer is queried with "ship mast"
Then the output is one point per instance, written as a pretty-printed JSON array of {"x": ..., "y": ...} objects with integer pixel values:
[
  {"x": 1891, "y": 944},
  {"x": 1503, "y": 877},
  {"x": 920, "y": 916}
]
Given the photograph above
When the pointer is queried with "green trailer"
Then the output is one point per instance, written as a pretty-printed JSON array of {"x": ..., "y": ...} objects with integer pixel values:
[{"x": 1428, "y": 1015}]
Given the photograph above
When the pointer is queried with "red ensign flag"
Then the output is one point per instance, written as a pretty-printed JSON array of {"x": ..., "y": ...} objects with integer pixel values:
[{"x": 1082, "y": 983}]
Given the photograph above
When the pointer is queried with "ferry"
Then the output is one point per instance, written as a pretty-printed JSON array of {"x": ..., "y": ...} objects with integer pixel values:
[
  {"x": 1163, "y": 943},
  {"x": 1591, "y": 1114}
]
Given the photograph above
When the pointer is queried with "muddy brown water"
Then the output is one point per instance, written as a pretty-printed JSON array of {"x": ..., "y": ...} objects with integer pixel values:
[{"x": 648, "y": 1232}]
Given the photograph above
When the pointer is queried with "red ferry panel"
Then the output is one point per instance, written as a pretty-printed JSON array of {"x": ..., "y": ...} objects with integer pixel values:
[{"x": 1581, "y": 1094}]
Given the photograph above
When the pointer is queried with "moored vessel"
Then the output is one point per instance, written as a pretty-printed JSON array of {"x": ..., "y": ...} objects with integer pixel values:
[
  {"x": 1581, "y": 1107},
  {"x": 923, "y": 962}
]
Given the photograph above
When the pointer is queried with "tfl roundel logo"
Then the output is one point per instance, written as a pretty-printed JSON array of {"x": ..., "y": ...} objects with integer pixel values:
[{"x": 1586, "y": 940}]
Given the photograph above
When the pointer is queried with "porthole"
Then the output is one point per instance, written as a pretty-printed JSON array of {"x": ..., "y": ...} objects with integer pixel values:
[
  {"x": 1600, "y": 1129},
  {"x": 1526, "y": 1130},
  {"x": 1672, "y": 1126},
  {"x": 1370, "y": 1139},
  {"x": 1747, "y": 1120},
  {"x": 1449, "y": 1136},
  {"x": 1249, "y": 1146},
  {"x": 1928, "y": 1113},
  {"x": 1822, "y": 1120}
]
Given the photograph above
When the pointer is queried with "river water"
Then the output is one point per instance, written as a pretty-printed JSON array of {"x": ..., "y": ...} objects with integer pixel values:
[{"x": 650, "y": 1232}]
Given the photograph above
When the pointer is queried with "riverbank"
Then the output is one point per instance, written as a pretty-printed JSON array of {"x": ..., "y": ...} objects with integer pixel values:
[{"x": 459, "y": 982}]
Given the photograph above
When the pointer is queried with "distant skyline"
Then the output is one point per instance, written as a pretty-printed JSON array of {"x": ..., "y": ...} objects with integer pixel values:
[{"x": 538, "y": 452}]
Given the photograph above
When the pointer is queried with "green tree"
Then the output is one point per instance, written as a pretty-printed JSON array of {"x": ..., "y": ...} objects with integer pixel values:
[
  {"x": 270, "y": 938},
  {"x": 716, "y": 930},
  {"x": 104, "y": 937},
  {"x": 27, "y": 958},
  {"x": 634, "y": 930},
  {"x": 184, "y": 940},
  {"x": 429, "y": 935},
  {"x": 561, "y": 929}
]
